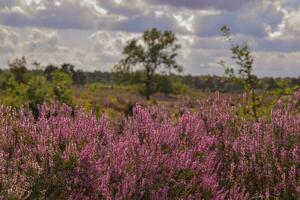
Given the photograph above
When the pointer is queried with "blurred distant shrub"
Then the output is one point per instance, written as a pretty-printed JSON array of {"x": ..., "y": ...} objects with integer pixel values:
[
  {"x": 38, "y": 92},
  {"x": 170, "y": 85},
  {"x": 61, "y": 85},
  {"x": 23, "y": 87},
  {"x": 78, "y": 77},
  {"x": 15, "y": 93},
  {"x": 49, "y": 70},
  {"x": 166, "y": 84},
  {"x": 19, "y": 70},
  {"x": 283, "y": 88}
]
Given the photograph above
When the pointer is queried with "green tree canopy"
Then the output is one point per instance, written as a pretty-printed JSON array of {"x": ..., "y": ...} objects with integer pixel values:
[{"x": 156, "y": 50}]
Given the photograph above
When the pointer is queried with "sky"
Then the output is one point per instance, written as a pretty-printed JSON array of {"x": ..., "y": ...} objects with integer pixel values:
[{"x": 91, "y": 33}]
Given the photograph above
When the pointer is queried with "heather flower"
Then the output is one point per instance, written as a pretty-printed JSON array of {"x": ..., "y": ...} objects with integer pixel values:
[{"x": 209, "y": 152}]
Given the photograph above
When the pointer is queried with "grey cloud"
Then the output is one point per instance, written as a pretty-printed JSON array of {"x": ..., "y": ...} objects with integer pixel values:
[
  {"x": 41, "y": 41},
  {"x": 291, "y": 24},
  {"x": 209, "y": 25},
  {"x": 127, "y": 8},
  {"x": 230, "y": 5},
  {"x": 9, "y": 40},
  {"x": 69, "y": 14},
  {"x": 141, "y": 23},
  {"x": 276, "y": 45},
  {"x": 107, "y": 47},
  {"x": 255, "y": 19},
  {"x": 277, "y": 64},
  {"x": 61, "y": 32},
  {"x": 290, "y": 4},
  {"x": 9, "y": 3}
]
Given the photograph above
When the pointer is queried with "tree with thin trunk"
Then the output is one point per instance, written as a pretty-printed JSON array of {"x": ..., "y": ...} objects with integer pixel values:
[
  {"x": 243, "y": 57},
  {"x": 155, "y": 51}
]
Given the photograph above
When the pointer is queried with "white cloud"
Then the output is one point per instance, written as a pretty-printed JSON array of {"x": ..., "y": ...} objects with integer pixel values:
[
  {"x": 277, "y": 64},
  {"x": 107, "y": 47},
  {"x": 41, "y": 41},
  {"x": 9, "y": 40},
  {"x": 56, "y": 14},
  {"x": 92, "y": 33}
]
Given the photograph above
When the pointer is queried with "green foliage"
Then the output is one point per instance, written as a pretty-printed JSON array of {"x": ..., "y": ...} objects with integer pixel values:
[
  {"x": 61, "y": 85},
  {"x": 19, "y": 70},
  {"x": 33, "y": 93},
  {"x": 166, "y": 84},
  {"x": 93, "y": 107},
  {"x": 37, "y": 93},
  {"x": 49, "y": 70},
  {"x": 23, "y": 87},
  {"x": 16, "y": 93},
  {"x": 135, "y": 77},
  {"x": 170, "y": 85},
  {"x": 207, "y": 83},
  {"x": 284, "y": 89},
  {"x": 155, "y": 50},
  {"x": 4, "y": 79},
  {"x": 79, "y": 77}
]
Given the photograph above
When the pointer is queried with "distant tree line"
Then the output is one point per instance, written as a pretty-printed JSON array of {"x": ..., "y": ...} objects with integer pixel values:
[{"x": 207, "y": 83}]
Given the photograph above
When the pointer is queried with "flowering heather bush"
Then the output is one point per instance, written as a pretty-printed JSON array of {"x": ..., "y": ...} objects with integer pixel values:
[{"x": 211, "y": 153}]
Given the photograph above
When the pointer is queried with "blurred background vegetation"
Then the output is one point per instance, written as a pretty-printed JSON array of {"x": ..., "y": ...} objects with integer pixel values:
[
  {"x": 101, "y": 91},
  {"x": 152, "y": 81}
]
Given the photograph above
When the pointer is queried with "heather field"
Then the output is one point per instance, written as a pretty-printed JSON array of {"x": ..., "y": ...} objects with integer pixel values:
[
  {"x": 149, "y": 100},
  {"x": 209, "y": 152}
]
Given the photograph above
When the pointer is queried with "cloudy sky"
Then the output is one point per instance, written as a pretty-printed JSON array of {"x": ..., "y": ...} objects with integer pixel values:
[{"x": 91, "y": 33}]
